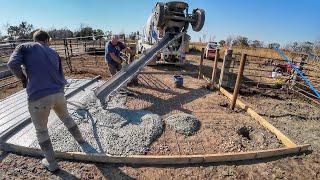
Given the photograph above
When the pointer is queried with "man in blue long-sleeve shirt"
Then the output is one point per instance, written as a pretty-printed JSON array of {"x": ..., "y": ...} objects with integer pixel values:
[
  {"x": 113, "y": 50},
  {"x": 44, "y": 81}
]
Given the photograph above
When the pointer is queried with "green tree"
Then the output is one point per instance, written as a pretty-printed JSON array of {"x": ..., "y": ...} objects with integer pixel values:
[
  {"x": 20, "y": 31},
  {"x": 256, "y": 44},
  {"x": 98, "y": 32},
  {"x": 241, "y": 41},
  {"x": 60, "y": 33},
  {"x": 85, "y": 31},
  {"x": 273, "y": 45},
  {"x": 222, "y": 43}
]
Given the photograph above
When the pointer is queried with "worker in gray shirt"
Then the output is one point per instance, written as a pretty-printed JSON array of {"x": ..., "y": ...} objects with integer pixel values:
[{"x": 44, "y": 81}]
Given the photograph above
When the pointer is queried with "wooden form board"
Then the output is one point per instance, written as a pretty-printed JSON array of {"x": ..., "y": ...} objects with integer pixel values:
[
  {"x": 162, "y": 159},
  {"x": 14, "y": 112}
]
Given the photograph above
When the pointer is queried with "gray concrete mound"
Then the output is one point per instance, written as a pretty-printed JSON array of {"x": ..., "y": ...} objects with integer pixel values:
[
  {"x": 115, "y": 130},
  {"x": 183, "y": 123}
]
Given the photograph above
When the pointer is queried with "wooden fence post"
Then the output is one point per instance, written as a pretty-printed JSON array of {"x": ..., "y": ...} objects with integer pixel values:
[
  {"x": 226, "y": 62},
  {"x": 201, "y": 64},
  {"x": 78, "y": 47},
  {"x": 238, "y": 82},
  {"x": 214, "y": 68},
  {"x": 70, "y": 41},
  {"x": 68, "y": 60},
  {"x": 65, "y": 48}
]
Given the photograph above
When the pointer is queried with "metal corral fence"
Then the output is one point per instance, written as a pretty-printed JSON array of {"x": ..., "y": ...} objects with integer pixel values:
[
  {"x": 79, "y": 54},
  {"x": 264, "y": 74},
  {"x": 85, "y": 54}
]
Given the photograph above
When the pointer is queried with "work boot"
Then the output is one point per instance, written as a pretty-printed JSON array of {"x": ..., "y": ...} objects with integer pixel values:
[
  {"x": 52, "y": 167},
  {"x": 49, "y": 162},
  {"x": 77, "y": 134},
  {"x": 87, "y": 148}
]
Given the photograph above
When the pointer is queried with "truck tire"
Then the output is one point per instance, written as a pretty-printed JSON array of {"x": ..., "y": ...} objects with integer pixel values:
[
  {"x": 200, "y": 17},
  {"x": 159, "y": 15}
]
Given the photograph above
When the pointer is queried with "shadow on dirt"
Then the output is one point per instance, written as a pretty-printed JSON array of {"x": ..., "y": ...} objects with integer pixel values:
[{"x": 112, "y": 171}]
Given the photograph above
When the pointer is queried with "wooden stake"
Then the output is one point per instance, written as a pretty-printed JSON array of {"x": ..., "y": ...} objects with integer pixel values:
[
  {"x": 238, "y": 82},
  {"x": 214, "y": 68},
  {"x": 201, "y": 64}
]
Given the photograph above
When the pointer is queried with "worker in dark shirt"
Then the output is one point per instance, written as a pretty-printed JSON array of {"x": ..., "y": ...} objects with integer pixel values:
[
  {"x": 113, "y": 51},
  {"x": 44, "y": 81}
]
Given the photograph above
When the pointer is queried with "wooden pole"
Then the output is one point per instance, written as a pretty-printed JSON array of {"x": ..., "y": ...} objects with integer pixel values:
[
  {"x": 68, "y": 61},
  {"x": 214, "y": 68},
  {"x": 201, "y": 64},
  {"x": 70, "y": 47},
  {"x": 65, "y": 48},
  {"x": 238, "y": 82},
  {"x": 225, "y": 58}
]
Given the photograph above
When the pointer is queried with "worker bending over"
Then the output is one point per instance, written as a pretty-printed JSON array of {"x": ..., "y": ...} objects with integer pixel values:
[
  {"x": 113, "y": 50},
  {"x": 44, "y": 81}
]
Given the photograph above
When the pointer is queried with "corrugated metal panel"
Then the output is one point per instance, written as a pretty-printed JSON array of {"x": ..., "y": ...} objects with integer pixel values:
[
  {"x": 27, "y": 136},
  {"x": 14, "y": 109}
]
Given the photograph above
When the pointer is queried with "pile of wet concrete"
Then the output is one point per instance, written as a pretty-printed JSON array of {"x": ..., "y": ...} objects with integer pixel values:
[
  {"x": 183, "y": 123},
  {"x": 115, "y": 130}
]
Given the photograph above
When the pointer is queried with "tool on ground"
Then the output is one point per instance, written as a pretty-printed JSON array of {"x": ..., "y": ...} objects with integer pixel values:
[
  {"x": 178, "y": 81},
  {"x": 299, "y": 72}
]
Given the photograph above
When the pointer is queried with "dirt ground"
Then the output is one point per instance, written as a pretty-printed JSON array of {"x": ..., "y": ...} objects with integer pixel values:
[
  {"x": 294, "y": 117},
  {"x": 10, "y": 89},
  {"x": 219, "y": 126}
]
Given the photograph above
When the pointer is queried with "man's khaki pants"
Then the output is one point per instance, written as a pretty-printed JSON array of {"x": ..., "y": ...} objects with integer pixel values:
[
  {"x": 40, "y": 110},
  {"x": 114, "y": 68}
]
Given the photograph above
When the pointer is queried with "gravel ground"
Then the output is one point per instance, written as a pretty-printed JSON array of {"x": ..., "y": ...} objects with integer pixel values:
[
  {"x": 183, "y": 123},
  {"x": 280, "y": 108},
  {"x": 302, "y": 166},
  {"x": 115, "y": 130}
]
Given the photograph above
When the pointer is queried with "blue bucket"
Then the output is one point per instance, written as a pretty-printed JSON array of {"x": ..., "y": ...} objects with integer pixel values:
[{"x": 178, "y": 81}]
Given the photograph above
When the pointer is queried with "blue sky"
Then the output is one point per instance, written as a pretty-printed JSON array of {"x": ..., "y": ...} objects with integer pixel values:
[{"x": 280, "y": 21}]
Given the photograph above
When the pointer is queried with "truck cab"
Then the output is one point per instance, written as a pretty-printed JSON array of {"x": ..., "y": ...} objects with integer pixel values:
[{"x": 210, "y": 50}]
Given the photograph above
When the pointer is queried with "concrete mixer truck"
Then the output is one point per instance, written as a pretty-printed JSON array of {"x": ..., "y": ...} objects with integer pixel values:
[{"x": 171, "y": 12}]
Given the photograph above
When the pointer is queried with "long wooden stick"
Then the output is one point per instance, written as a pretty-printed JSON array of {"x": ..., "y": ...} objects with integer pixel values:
[{"x": 238, "y": 82}]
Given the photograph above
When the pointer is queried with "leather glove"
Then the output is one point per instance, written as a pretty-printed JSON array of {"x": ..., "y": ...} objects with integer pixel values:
[{"x": 24, "y": 82}]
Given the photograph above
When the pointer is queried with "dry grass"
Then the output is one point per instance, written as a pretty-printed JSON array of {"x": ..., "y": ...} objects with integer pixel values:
[{"x": 261, "y": 52}]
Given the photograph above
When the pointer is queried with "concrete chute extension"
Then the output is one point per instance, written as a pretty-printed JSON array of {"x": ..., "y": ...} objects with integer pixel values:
[{"x": 174, "y": 19}]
